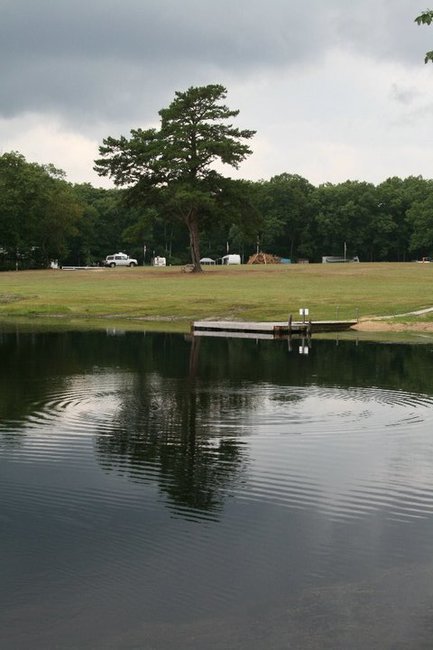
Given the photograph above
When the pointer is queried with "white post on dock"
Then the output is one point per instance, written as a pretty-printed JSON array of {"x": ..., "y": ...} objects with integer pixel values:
[{"x": 304, "y": 312}]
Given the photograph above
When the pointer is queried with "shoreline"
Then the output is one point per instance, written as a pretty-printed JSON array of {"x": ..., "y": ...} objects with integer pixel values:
[{"x": 373, "y": 329}]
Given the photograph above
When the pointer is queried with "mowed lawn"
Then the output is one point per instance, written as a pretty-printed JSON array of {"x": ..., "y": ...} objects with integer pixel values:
[{"x": 247, "y": 292}]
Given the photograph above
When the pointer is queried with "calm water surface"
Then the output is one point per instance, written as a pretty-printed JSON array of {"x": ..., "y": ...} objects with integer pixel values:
[{"x": 163, "y": 493}]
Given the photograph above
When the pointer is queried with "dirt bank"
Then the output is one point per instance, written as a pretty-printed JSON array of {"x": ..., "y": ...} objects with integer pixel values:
[{"x": 386, "y": 326}]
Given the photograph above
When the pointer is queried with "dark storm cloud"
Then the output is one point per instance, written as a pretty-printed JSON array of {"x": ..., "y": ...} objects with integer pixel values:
[
  {"x": 100, "y": 59},
  {"x": 97, "y": 56}
]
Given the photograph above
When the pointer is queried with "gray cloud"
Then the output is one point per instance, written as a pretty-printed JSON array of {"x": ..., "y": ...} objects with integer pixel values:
[
  {"x": 334, "y": 89},
  {"x": 111, "y": 59}
]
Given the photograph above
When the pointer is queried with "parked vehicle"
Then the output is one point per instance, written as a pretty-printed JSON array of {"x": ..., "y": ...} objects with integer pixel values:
[{"x": 119, "y": 259}]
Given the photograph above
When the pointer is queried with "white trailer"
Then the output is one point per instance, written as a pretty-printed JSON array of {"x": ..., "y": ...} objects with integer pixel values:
[{"x": 231, "y": 259}]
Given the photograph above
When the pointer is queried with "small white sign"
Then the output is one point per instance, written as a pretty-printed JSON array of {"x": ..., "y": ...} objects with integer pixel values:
[{"x": 304, "y": 312}]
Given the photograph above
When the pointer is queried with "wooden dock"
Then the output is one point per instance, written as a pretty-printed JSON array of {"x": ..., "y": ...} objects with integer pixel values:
[{"x": 268, "y": 329}]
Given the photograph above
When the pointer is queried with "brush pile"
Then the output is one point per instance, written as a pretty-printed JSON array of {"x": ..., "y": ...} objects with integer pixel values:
[{"x": 263, "y": 258}]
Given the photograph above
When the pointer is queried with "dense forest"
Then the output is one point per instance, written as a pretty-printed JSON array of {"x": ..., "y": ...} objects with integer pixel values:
[{"x": 45, "y": 217}]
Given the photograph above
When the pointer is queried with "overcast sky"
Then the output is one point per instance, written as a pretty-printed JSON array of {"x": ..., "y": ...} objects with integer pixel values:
[{"x": 334, "y": 89}]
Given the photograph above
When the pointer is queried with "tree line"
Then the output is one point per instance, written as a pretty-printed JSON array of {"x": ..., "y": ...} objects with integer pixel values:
[{"x": 44, "y": 217}]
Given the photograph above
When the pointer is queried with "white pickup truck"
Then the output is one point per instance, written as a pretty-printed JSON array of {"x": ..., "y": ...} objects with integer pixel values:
[{"x": 119, "y": 259}]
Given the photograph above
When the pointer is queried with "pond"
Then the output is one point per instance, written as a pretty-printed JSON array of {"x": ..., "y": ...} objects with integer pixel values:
[{"x": 159, "y": 491}]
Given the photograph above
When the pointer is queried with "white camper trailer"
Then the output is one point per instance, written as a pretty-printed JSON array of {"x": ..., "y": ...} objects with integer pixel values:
[{"x": 231, "y": 259}]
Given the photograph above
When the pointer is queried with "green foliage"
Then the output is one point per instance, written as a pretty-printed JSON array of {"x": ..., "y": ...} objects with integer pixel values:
[
  {"x": 420, "y": 215},
  {"x": 426, "y": 18},
  {"x": 38, "y": 211},
  {"x": 174, "y": 167},
  {"x": 299, "y": 220},
  {"x": 349, "y": 215},
  {"x": 395, "y": 198},
  {"x": 286, "y": 205},
  {"x": 106, "y": 218}
]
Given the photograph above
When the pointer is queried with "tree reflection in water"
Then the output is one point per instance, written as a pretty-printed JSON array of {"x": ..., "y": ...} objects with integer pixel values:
[{"x": 169, "y": 429}]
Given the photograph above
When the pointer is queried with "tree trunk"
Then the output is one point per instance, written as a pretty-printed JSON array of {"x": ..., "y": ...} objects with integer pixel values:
[{"x": 194, "y": 241}]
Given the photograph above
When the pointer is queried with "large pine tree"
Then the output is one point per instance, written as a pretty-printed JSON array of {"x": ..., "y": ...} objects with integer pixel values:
[{"x": 175, "y": 165}]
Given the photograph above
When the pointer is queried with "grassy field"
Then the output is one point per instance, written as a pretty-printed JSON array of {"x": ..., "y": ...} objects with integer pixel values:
[{"x": 245, "y": 292}]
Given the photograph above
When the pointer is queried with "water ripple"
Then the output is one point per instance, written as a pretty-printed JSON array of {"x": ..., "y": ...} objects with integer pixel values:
[{"x": 347, "y": 453}]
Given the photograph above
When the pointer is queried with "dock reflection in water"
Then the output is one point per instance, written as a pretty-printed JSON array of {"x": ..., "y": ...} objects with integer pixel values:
[{"x": 161, "y": 491}]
